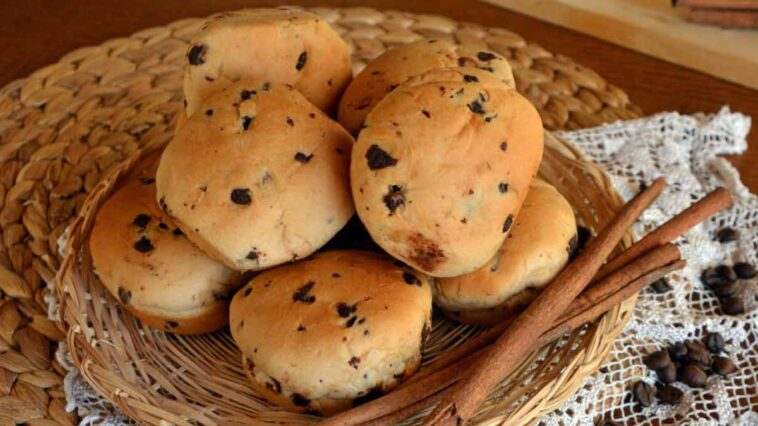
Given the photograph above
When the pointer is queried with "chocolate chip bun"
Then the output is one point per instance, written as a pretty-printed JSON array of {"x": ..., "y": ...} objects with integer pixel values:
[
  {"x": 442, "y": 167},
  {"x": 539, "y": 245},
  {"x": 386, "y": 72},
  {"x": 258, "y": 176},
  {"x": 332, "y": 331},
  {"x": 277, "y": 45},
  {"x": 147, "y": 264}
]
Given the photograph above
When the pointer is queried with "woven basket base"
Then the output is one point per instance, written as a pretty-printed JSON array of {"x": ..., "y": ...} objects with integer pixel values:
[{"x": 68, "y": 125}]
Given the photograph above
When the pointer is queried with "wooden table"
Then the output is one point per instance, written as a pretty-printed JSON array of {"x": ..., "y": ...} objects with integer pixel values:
[{"x": 35, "y": 33}]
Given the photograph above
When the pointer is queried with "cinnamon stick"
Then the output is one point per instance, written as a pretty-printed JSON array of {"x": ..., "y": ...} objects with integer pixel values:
[
  {"x": 461, "y": 404},
  {"x": 672, "y": 229},
  {"x": 645, "y": 266},
  {"x": 564, "y": 326}
]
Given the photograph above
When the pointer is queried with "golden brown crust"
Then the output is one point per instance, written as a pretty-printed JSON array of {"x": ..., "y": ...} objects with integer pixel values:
[
  {"x": 276, "y": 45},
  {"x": 326, "y": 331},
  {"x": 537, "y": 248},
  {"x": 258, "y": 177},
  {"x": 443, "y": 166},
  {"x": 398, "y": 64},
  {"x": 151, "y": 268}
]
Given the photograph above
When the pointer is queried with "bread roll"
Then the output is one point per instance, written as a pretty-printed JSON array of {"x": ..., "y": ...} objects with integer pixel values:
[
  {"x": 332, "y": 331},
  {"x": 442, "y": 167},
  {"x": 386, "y": 72},
  {"x": 258, "y": 176},
  {"x": 148, "y": 265},
  {"x": 276, "y": 45},
  {"x": 539, "y": 245}
]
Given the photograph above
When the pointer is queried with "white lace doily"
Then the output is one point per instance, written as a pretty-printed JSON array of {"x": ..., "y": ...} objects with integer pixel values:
[{"x": 684, "y": 150}]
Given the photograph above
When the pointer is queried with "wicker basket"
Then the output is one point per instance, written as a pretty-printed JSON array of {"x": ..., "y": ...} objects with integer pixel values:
[{"x": 64, "y": 134}]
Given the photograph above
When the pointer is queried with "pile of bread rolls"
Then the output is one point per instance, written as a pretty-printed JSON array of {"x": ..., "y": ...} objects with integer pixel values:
[{"x": 259, "y": 178}]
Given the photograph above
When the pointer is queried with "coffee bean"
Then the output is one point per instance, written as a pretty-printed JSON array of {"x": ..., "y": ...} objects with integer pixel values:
[
  {"x": 661, "y": 286},
  {"x": 744, "y": 270},
  {"x": 678, "y": 352},
  {"x": 692, "y": 375},
  {"x": 726, "y": 273},
  {"x": 643, "y": 393},
  {"x": 709, "y": 277},
  {"x": 723, "y": 366},
  {"x": 725, "y": 235},
  {"x": 667, "y": 374},
  {"x": 714, "y": 342},
  {"x": 732, "y": 305},
  {"x": 670, "y": 395},
  {"x": 725, "y": 288},
  {"x": 698, "y": 353},
  {"x": 657, "y": 360}
]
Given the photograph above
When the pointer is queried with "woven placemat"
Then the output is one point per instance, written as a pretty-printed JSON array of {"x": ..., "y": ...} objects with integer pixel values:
[{"x": 67, "y": 124}]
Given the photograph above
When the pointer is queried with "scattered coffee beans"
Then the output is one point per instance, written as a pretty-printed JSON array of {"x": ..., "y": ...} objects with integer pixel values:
[
  {"x": 733, "y": 305},
  {"x": 692, "y": 375},
  {"x": 725, "y": 235},
  {"x": 667, "y": 374},
  {"x": 723, "y": 366},
  {"x": 657, "y": 360},
  {"x": 678, "y": 352},
  {"x": 698, "y": 353},
  {"x": 744, "y": 270},
  {"x": 661, "y": 286},
  {"x": 726, "y": 273},
  {"x": 670, "y": 395},
  {"x": 643, "y": 393},
  {"x": 714, "y": 342}
]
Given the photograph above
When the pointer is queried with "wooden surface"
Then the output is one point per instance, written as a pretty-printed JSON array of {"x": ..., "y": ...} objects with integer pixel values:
[
  {"x": 655, "y": 28},
  {"x": 34, "y": 33}
]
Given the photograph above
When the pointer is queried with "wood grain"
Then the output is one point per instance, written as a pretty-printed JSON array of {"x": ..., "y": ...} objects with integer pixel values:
[{"x": 35, "y": 33}]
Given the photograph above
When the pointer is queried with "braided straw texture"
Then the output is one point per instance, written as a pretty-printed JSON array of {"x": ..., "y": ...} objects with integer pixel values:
[{"x": 66, "y": 131}]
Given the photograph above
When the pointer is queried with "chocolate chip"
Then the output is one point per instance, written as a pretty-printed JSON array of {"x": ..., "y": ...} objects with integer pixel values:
[
  {"x": 353, "y": 362},
  {"x": 162, "y": 226},
  {"x": 470, "y": 78},
  {"x": 485, "y": 56},
  {"x": 502, "y": 187},
  {"x": 661, "y": 286},
  {"x": 503, "y": 146},
  {"x": 273, "y": 385},
  {"x": 411, "y": 279},
  {"x": 643, "y": 393},
  {"x": 141, "y": 220},
  {"x": 301, "y": 61},
  {"x": 678, "y": 352},
  {"x": 147, "y": 181},
  {"x": 249, "y": 364},
  {"x": 302, "y": 158},
  {"x": 246, "y": 94},
  {"x": 723, "y": 366},
  {"x": 299, "y": 400},
  {"x": 177, "y": 232},
  {"x": 207, "y": 78},
  {"x": 266, "y": 86},
  {"x": 170, "y": 325},
  {"x": 657, "y": 360},
  {"x": 371, "y": 395},
  {"x": 350, "y": 322},
  {"x": 344, "y": 310},
  {"x": 209, "y": 112},
  {"x": 196, "y": 55},
  {"x": 714, "y": 342},
  {"x": 241, "y": 196},
  {"x": 378, "y": 158},
  {"x": 692, "y": 375},
  {"x": 733, "y": 305},
  {"x": 725, "y": 235},
  {"x": 300, "y": 328},
  {"x": 144, "y": 245},
  {"x": 290, "y": 121},
  {"x": 508, "y": 222},
  {"x": 744, "y": 270},
  {"x": 311, "y": 115},
  {"x": 124, "y": 295},
  {"x": 426, "y": 113},
  {"x": 461, "y": 62},
  {"x": 476, "y": 107},
  {"x": 726, "y": 273},
  {"x": 302, "y": 294},
  {"x": 336, "y": 275},
  {"x": 247, "y": 291},
  {"x": 394, "y": 198},
  {"x": 246, "y": 120},
  {"x": 670, "y": 395}
]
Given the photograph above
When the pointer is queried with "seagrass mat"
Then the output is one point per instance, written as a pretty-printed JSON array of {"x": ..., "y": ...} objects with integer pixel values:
[{"x": 68, "y": 124}]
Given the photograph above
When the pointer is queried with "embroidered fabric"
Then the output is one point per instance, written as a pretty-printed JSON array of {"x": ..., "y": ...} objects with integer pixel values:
[{"x": 684, "y": 150}]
